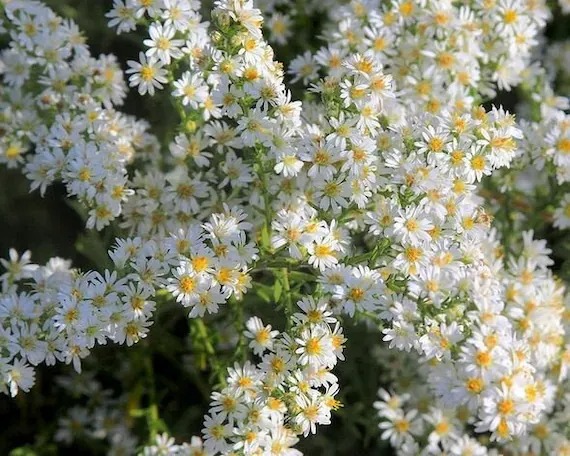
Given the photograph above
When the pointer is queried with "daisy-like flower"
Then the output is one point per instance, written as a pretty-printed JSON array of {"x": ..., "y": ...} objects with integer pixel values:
[
  {"x": 185, "y": 284},
  {"x": 312, "y": 412},
  {"x": 279, "y": 27},
  {"x": 162, "y": 44},
  {"x": 150, "y": 7},
  {"x": 123, "y": 16},
  {"x": 192, "y": 89},
  {"x": 244, "y": 380},
  {"x": 400, "y": 427},
  {"x": 288, "y": 165},
  {"x": 315, "y": 348},
  {"x": 262, "y": 336},
  {"x": 215, "y": 432},
  {"x": 147, "y": 74},
  {"x": 19, "y": 376},
  {"x": 177, "y": 13},
  {"x": 411, "y": 227},
  {"x": 322, "y": 253}
]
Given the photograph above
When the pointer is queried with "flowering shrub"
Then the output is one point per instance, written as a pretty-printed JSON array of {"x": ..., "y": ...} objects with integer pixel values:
[{"x": 341, "y": 205}]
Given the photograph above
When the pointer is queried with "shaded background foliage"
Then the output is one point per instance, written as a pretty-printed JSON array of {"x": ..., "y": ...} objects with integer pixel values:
[{"x": 168, "y": 361}]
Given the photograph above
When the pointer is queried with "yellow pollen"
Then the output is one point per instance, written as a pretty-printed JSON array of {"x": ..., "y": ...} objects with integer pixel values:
[
  {"x": 540, "y": 431},
  {"x": 71, "y": 315},
  {"x": 200, "y": 263},
  {"x": 402, "y": 426},
  {"x": 311, "y": 412},
  {"x": 435, "y": 144},
  {"x": 457, "y": 157},
  {"x": 102, "y": 212},
  {"x": 563, "y": 145},
  {"x": 313, "y": 346},
  {"x": 506, "y": 407},
  {"x": 442, "y": 428},
  {"x": 365, "y": 66},
  {"x": 274, "y": 403},
  {"x": 356, "y": 294},
  {"x": 445, "y": 60},
  {"x": 13, "y": 151},
  {"x": 413, "y": 254},
  {"x": 478, "y": 163},
  {"x": 531, "y": 393},
  {"x": 412, "y": 225},
  {"x": 483, "y": 358},
  {"x": 322, "y": 250},
  {"x": 491, "y": 341},
  {"x": 277, "y": 365},
  {"x": 474, "y": 385},
  {"x": 503, "y": 429},
  {"x": 424, "y": 88},
  {"x": 406, "y": 8},
  {"x": 379, "y": 44},
  {"x": 224, "y": 275},
  {"x": 84, "y": 174},
  {"x": 441, "y": 18},
  {"x": 245, "y": 382},
  {"x": 356, "y": 92},
  {"x": 321, "y": 157},
  {"x": 251, "y": 74},
  {"x": 510, "y": 16},
  {"x": 187, "y": 284},
  {"x": 163, "y": 43},
  {"x": 250, "y": 44},
  {"x": 314, "y": 316},
  {"x": 262, "y": 337}
]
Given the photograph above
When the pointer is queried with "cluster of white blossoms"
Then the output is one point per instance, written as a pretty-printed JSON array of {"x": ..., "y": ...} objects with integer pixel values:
[
  {"x": 542, "y": 175},
  {"x": 441, "y": 54},
  {"x": 97, "y": 416},
  {"x": 164, "y": 445},
  {"x": 53, "y": 313},
  {"x": 503, "y": 370},
  {"x": 492, "y": 344},
  {"x": 57, "y": 117},
  {"x": 289, "y": 392},
  {"x": 367, "y": 190}
]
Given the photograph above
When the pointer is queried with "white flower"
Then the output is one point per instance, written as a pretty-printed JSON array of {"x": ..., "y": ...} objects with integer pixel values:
[
  {"x": 262, "y": 336},
  {"x": 322, "y": 252},
  {"x": 192, "y": 89},
  {"x": 147, "y": 74},
  {"x": 19, "y": 376}
]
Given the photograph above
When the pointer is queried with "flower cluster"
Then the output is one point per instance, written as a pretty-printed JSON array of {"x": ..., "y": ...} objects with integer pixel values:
[
  {"x": 59, "y": 100},
  {"x": 364, "y": 201},
  {"x": 498, "y": 370},
  {"x": 99, "y": 417},
  {"x": 164, "y": 445},
  {"x": 52, "y": 313},
  {"x": 289, "y": 392},
  {"x": 441, "y": 54}
]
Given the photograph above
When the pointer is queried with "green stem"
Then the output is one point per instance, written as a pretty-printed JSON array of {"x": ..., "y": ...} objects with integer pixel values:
[
  {"x": 287, "y": 295},
  {"x": 239, "y": 323},
  {"x": 210, "y": 358}
]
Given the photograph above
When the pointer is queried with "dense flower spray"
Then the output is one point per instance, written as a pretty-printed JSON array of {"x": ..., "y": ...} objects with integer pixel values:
[{"x": 366, "y": 200}]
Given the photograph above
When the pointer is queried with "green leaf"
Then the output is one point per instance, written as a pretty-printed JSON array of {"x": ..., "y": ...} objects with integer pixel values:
[
  {"x": 277, "y": 290},
  {"x": 23, "y": 451},
  {"x": 298, "y": 276},
  {"x": 263, "y": 291},
  {"x": 265, "y": 237},
  {"x": 137, "y": 413}
]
